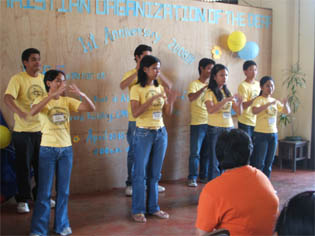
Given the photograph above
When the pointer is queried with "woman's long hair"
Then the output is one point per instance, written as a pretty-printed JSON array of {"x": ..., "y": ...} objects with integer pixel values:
[
  {"x": 146, "y": 61},
  {"x": 264, "y": 80},
  {"x": 213, "y": 84}
]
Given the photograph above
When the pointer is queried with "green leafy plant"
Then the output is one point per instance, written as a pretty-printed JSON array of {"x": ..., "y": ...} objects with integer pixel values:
[{"x": 295, "y": 79}]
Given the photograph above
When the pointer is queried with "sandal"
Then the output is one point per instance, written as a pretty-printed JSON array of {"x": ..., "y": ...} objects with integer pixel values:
[
  {"x": 140, "y": 218},
  {"x": 161, "y": 214}
]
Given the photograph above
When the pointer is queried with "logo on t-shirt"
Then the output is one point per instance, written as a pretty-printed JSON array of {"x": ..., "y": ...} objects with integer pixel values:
[
  {"x": 34, "y": 91},
  {"x": 158, "y": 102},
  {"x": 272, "y": 110},
  {"x": 58, "y": 115}
]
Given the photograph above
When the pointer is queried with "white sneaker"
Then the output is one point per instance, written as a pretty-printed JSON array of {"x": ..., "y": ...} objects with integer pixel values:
[
  {"x": 52, "y": 203},
  {"x": 66, "y": 231},
  {"x": 22, "y": 207},
  {"x": 128, "y": 191},
  {"x": 192, "y": 183},
  {"x": 31, "y": 234},
  {"x": 161, "y": 189}
]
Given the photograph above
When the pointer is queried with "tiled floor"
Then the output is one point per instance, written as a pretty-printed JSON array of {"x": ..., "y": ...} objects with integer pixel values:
[{"x": 109, "y": 213}]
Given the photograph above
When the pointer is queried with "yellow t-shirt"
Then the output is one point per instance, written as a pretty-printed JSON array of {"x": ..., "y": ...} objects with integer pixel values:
[
  {"x": 25, "y": 88},
  {"x": 267, "y": 119},
  {"x": 198, "y": 109},
  {"x": 223, "y": 117},
  {"x": 126, "y": 75},
  {"x": 54, "y": 120},
  {"x": 248, "y": 91},
  {"x": 153, "y": 117}
]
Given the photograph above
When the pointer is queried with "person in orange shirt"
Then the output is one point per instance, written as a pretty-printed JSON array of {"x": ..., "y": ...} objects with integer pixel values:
[{"x": 241, "y": 200}]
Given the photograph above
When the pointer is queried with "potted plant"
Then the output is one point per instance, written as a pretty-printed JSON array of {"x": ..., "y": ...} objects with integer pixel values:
[{"x": 295, "y": 79}]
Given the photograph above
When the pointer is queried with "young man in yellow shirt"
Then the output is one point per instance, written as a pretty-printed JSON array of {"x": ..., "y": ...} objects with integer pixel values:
[
  {"x": 199, "y": 124},
  {"x": 129, "y": 79}
]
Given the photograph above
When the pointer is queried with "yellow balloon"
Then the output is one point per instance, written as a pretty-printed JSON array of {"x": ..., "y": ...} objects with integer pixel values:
[
  {"x": 236, "y": 41},
  {"x": 5, "y": 136}
]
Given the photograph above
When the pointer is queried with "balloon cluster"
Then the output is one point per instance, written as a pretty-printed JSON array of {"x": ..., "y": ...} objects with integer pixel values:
[{"x": 245, "y": 50}]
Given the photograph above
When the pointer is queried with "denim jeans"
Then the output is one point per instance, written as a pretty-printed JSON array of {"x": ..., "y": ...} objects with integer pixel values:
[
  {"x": 247, "y": 128},
  {"x": 213, "y": 133},
  {"x": 198, "y": 152},
  {"x": 52, "y": 160},
  {"x": 149, "y": 152},
  {"x": 26, "y": 146},
  {"x": 130, "y": 156},
  {"x": 265, "y": 146}
]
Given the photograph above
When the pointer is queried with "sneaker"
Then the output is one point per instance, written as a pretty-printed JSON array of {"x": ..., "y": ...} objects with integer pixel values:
[
  {"x": 31, "y": 234},
  {"x": 192, "y": 183},
  {"x": 161, "y": 189},
  {"x": 52, "y": 203},
  {"x": 66, "y": 231},
  {"x": 128, "y": 191},
  {"x": 22, "y": 207}
]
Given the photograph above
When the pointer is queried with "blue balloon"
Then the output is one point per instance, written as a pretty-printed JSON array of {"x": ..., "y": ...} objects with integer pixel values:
[{"x": 249, "y": 52}]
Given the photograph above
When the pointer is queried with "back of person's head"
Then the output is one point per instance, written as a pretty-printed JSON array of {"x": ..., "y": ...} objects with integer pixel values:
[
  {"x": 146, "y": 61},
  {"x": 27, "y": 53},
  {"x": 204, "y": 62},
  {"x": 140, "y": 49},
  {"x": 51, "y": 75},
  {"x": 298, "y": 216},
  {"x": 233, "y": 149},
  {"x": 248, "y": 64}
]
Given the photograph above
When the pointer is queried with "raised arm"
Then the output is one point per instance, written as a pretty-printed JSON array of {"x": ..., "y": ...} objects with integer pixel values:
[
  {"x": 137, "y": 108},
  {"x": 257, "y": 110},
  {"x": 194, "y": 96},
  {"x": 171, "y": 97},
  {"x": 212, "y": 108},
  {"x": 124, "y": 84},
  {"x": 87, "y": 104},
  {"x": 237, "y": 104}
]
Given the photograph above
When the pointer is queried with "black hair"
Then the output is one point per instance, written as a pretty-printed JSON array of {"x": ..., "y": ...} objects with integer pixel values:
[
  {"x": 140, "y": 49},
  {"x": 233, "y": 149},
  {"x": 248, "y": 64},
  {"x": 51, "y": 75},
  {"x": 27, "y": 53},
  {"x": 146, "y": 61},
  {"x": 264, "y": 80},
  {"x": 298, "y": 216},
  {"x": 204, "y": 62},
  {"x": 213, "y": 84}
]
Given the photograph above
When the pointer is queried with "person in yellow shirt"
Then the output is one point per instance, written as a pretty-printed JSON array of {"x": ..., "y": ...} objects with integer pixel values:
[
  {"x": 129, "y": 80},
  {"x": 219, "y": 102},
  {"x": 249, "y": 89},
  {"x": 148, "y": 104},
  {"x": 199, "y": 124},
  {"x": 22, "y": 89},
  {"x": 265, "y": 135},
  {"x": 55, "y": 151}
]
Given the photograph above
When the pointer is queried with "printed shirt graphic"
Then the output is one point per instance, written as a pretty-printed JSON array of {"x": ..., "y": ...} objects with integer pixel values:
[
  {"x": 198, "y": 109},
  {"x": 267, "y": 119},
  {"x": 223, "y": 117},
  {"x": 54, "y": 120},
  {"x": 126, "y": 75},
  {"x": 248, "y": 91},
  {"x": 25, "y": 89},
  {"x": 153, "y": 117}
]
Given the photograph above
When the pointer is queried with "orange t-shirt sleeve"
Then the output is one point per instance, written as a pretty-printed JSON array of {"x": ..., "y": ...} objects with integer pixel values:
[{"x": 207, "y": 215}]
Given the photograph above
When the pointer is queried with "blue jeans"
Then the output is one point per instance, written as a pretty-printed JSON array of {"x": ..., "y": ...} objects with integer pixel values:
[
  {"x": 265, "y": 145},
  {"x": 213, "y": 133},
  {"x": 247, "y": 128},
  {"x": 52, "y": 160},
  {"x": 198, "y": 152},
  {"x": 130, "y": 157},
  {"x": 149, "y": 152}
]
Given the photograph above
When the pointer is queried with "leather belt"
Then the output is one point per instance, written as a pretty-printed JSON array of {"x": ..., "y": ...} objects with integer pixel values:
[{"x": 152, "y": 127}]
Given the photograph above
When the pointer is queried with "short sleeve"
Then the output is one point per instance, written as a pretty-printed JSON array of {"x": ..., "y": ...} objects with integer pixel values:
[
  {"x": 209, "y": 96},
  {"x": 192, "y": 88},
  {"x": 134, "y": 94},
  {"x": 243, "y": 92},
  {"x": 13, "y": 87},
  {"x": 73, "y": 104}
]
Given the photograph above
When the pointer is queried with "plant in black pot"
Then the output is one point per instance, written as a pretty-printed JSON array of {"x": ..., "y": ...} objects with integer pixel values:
[{"x": 295, "y": 80}]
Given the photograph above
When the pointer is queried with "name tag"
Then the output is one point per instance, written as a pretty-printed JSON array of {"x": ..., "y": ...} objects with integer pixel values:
[
  {"x": 271, "y": 120},
  {"x": 157, "y": 115},
  {"x": 58, "y": 118},
  {"x": 226, "y": 115}
]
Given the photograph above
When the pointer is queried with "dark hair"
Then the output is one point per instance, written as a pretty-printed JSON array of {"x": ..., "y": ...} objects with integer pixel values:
[
  {"x": 146, "y": 61},
  {"x": 248, "y": 64},
  {"x": 140, "y": 49},
  {"x": 204, "y": 62},
  {"x": 298, "y": 216},
  {"x": 51, "y": 75},
  {"x": 264, "y": 80},
  {"x": 233, "y": 149},
  {"x": 213, "y": 84},
  {"x": 27, "y": 53}
]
